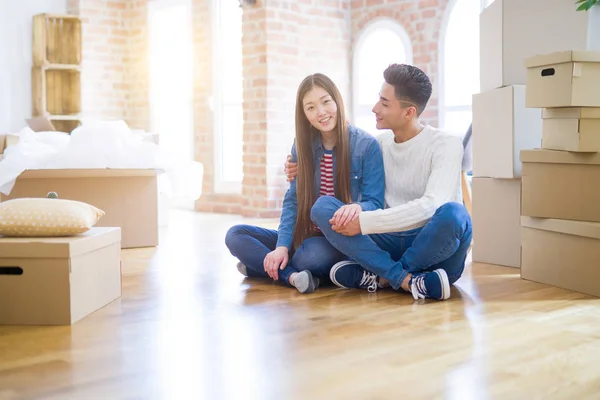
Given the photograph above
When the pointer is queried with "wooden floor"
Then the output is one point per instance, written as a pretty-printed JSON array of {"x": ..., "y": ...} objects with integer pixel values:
[{"x": 188, "y": 326}]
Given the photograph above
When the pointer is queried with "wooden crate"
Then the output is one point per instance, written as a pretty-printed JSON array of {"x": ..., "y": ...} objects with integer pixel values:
[
  {"x": 55, "y": 91},
  {"x": 56, "y": 40},
  {"x": 65, "y": 125}
]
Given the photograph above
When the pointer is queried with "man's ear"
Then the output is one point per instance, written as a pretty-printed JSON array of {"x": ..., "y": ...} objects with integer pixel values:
[{"x": 411, "y": 112}]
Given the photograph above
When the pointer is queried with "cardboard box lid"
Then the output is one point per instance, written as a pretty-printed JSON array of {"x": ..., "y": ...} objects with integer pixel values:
[
  {"x": 559, "y": 157},
  {"x": 562, "y": 57},
  {"x": 577, "y": 228},
  {"x": 572, "y": 112},
  {"x": 59, "y": 247},
  {"x": 87, "y": 173}
]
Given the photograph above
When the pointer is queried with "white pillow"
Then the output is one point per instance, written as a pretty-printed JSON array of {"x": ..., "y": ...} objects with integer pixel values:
[{"x": 41, "y": 217}]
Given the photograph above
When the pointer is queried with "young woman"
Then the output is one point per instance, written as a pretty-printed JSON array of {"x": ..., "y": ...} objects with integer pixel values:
[{"x": 334, "y": 159}]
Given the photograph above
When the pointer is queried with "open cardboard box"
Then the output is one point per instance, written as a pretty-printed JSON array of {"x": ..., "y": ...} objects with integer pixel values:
[{"x": 129, "y": 197}]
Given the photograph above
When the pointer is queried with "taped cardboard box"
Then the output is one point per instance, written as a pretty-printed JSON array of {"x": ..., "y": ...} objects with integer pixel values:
[
  {"x": 563, "y": 79},
  {"x": 129, "y": 197},
  {"x": 561, "y": 253},
  {"x": 561, "y": 185},
  {"x": 58, "y": 281},
  {"x": 571, "y": 129},
  {"x": 497, "y": 221}
]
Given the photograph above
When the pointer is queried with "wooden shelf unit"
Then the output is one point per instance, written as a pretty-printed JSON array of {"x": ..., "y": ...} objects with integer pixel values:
[{"x": 56, "y": 70}]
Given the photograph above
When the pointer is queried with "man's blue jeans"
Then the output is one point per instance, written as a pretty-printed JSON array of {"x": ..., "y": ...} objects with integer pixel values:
[
  {"x": 251, "y": 244},
  {"x": 442, "y": 243}
]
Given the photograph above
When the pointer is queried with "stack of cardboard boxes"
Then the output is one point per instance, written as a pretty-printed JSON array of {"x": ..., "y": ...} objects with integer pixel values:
[
  {"x": 561, "y": 181},
  {"x": 510, "y": 32}
]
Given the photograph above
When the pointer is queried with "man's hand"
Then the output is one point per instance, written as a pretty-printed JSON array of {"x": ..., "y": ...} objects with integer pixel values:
[
  {"x": 275, "y": 260},
  {"x": 291, "y": 169},
  {"x": 346, "y": 213},
  {"x": 352, "y": 229}
]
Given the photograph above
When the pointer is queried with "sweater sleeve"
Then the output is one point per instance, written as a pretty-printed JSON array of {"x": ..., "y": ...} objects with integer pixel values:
[{"x": 441, "y": 188}]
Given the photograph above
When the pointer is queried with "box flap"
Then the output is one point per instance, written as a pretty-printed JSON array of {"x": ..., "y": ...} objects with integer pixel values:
[
  {"x": 562, "y": 57},
  {"x": 572, "y": 112},
  {"x": 59, "y": 247},
  {"x": 577, "y": 228},
  {"x": 86, "y": 173},
  {"x": 559, "y": 157}
]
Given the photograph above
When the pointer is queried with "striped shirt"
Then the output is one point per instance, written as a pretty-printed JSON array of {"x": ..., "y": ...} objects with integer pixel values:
[{"x": 327, "y": 188}]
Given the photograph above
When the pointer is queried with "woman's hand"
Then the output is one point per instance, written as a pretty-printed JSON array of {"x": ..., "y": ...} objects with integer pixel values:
[
  {"x": 345, "y": 214},
  {"x": 275, "y": 260}
]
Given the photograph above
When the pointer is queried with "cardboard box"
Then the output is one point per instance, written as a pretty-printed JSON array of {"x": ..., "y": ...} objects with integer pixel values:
[
  {"x": 572, "y": 129},
  {"x": 561, "y": 253},
  {"x": 561, "y": 185},
  {"x": 563, "y": 79},
  {"x": 496, "y": 221},
  {"x": 502, "y": 127},
  {"x": 129, "y": 197},
  {"x": 58, "y": 281},
  {"x": 512, "y": 30}
]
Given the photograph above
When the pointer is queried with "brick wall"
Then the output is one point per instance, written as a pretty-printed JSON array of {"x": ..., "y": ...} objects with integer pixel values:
[
  {"x": 136, "y": 60},
  {"x": 284, "y": 40},
  {"x": 422, "y": 21},
  {"x": 114, "y": 73}
]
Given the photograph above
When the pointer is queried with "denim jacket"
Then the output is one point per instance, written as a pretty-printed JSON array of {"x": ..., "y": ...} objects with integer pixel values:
[{"x": 367, "y": 179}]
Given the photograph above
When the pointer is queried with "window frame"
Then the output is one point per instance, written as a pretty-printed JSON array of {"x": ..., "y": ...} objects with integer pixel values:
[
  {"x": 371, "y": 27},
  {"x": 442, "y": 107},
  {"x": 216, "y": 103}
]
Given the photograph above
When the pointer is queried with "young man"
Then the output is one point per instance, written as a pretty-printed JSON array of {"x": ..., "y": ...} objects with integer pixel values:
[{"x": 419, "y": 242}]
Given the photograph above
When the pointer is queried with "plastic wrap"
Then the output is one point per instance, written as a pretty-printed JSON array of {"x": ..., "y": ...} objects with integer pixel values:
[{"x": 105, "y": 144}]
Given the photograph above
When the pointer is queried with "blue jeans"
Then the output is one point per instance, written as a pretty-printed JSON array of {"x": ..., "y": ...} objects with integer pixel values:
[
  {"x": 251, "y": 244},
  {"x": 442, "y": 243}
]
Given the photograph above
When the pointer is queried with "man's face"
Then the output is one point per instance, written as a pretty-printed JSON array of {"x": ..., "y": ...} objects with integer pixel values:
[{"x": 391, "y": 113}]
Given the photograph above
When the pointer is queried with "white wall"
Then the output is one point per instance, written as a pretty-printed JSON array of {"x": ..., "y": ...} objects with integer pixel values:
[{"x": 16, "y": 58}]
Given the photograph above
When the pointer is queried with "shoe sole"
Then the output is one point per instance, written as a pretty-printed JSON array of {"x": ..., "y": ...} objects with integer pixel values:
[
  {"x": 445, "y": 283},
  {"x": 334, "y": 270}
]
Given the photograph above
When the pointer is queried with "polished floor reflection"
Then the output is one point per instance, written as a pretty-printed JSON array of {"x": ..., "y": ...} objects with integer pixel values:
[{"x": 188, "y": 326}]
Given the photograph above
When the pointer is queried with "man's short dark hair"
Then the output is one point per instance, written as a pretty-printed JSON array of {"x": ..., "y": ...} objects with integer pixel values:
[{"x": 410, "y": 84}]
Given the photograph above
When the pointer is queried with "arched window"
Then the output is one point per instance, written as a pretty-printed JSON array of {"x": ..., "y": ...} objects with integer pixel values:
[
  {"x": 459, "y": 63},
  {"x": 381, "y": 43}
]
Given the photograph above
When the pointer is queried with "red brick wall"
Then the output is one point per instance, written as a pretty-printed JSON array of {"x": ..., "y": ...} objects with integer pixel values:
[
  {"x": 422, "y": 21},
  {"x": 284, "y": 41},
  {"x": 136, "y": 60},
  {"x": 114, "y": 74}
]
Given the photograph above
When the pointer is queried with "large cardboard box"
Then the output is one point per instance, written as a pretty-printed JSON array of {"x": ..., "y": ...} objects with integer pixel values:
[
  {"x": 561, "y": 185},
  {"x": 129, "y": 197},
  {"x": 512, "y": 30},
  {"x": 496, "y": 221},
  {"x": 561, "y": 253},
  {"x": 502, "y": 127},
  {"x": 563, "y": 79},
  {"x": 571, "y": 129},
  {"x": 58, "y": 281}
]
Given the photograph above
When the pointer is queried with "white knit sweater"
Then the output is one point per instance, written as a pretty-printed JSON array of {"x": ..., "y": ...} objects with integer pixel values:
[{"x": 421, "y": 174}]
